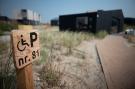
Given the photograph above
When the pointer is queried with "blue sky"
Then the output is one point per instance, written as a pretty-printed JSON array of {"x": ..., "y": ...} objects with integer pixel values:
[{"x": 50, "y": 9}]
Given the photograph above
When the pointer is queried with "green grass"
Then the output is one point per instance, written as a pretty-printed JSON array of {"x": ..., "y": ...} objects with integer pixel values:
[
  {"x": 101, "y": 34},
  {"x": 7, "y": 27}
]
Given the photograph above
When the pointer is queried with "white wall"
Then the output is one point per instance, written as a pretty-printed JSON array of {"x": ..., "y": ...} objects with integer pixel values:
[
  {"x": 18, "y": 14},
  {"x": 31, "y": 15}
]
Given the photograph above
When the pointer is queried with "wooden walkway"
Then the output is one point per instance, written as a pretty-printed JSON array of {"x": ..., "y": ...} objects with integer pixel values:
[{"x": 118, "y": 61}]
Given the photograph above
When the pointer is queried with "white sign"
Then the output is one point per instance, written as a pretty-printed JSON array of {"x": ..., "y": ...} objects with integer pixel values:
[{"x": 26, "y": 47}]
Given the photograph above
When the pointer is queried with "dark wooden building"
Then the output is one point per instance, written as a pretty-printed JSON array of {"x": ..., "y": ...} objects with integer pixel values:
[
  {"x": 55, "y": 22},
  {"x": 112, "y": 21},
  {"x": 4, "y": 19},
  {"x": 129, "y": 21}
]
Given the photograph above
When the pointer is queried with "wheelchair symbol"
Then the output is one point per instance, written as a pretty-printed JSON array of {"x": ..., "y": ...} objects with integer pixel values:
[{"x": 21, "y": 43}]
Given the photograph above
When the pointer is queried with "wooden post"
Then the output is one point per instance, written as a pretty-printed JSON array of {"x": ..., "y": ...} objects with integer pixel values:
[
  {"x": 25, "y": 78},
  {"x": 25, "y": 50}
]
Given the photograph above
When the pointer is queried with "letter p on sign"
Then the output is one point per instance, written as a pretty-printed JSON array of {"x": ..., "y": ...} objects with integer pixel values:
[{"x": 26, "y": 47}]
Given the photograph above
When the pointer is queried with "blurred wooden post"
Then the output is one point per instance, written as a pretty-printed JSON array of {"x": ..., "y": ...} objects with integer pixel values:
[
  {"x": 29, "y": 41},
  {"x": 25, "y": 78}
]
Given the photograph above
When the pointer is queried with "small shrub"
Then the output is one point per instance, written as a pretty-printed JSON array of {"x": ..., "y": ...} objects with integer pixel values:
[
  {"x": 51, "y": 75},
  {"x": 101, "y": 34},
  {"x": 7, "y": 27}
]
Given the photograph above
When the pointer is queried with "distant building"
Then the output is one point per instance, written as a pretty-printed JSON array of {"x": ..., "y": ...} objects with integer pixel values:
[
  {"x": 55, "y": 22},
  {"x": 112, "y": 21},
  {"x": 25, "y": 16},
  {"x": 129, "y": 21},
  {"x": 4, "y": 19}
]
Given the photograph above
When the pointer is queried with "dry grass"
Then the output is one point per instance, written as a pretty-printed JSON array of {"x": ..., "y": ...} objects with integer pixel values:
[
  {"x": 68, "y": 40},
  {"x": 56, "y": 46},
  {"x": 50, "y": 76},
  {"x": 7, "y": 71},
  {"x": 53, "y": 44}
]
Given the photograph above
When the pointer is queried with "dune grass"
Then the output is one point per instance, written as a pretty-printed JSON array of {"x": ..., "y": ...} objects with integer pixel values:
[
  {"x": 7, "y": 71},
  {"x": 69, "y": 40},
  {"x": 50, "y": 40}
]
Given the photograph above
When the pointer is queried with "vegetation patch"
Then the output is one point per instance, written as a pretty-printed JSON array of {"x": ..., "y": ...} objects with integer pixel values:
[
  {"x": 7, "y": 27},
  {"x": 7, "y": 71},
  {"x": 129, "y": 27},
  {"x": 101, "y": 34}
]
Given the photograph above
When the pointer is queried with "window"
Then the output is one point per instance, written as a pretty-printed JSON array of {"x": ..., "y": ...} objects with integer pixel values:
[
  {"x": 82, "y": 22},
  {"x": 90, "y": 19}
]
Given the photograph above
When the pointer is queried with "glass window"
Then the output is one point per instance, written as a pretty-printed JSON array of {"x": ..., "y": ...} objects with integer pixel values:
[
  {"x": 90, "y": 19},
  {"x": 82, "y": 22}
]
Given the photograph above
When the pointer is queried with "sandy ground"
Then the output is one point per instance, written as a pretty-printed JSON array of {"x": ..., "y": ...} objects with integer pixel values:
[
  {"x": 5, "y": 38},
  {"x": 82, "y": 69},
  {"x": 118, "y": 60},
  {"x": 5, "y": 41}
]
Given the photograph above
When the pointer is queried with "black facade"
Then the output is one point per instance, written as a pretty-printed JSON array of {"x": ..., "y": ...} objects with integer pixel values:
[
  {"x": 55, "y": 22},
  {"x": 129, "y": 21},
  {"x": 4, "y": 18},
  {"x": 28, "y": 22},
  {"x": 111, "y": 21}
]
